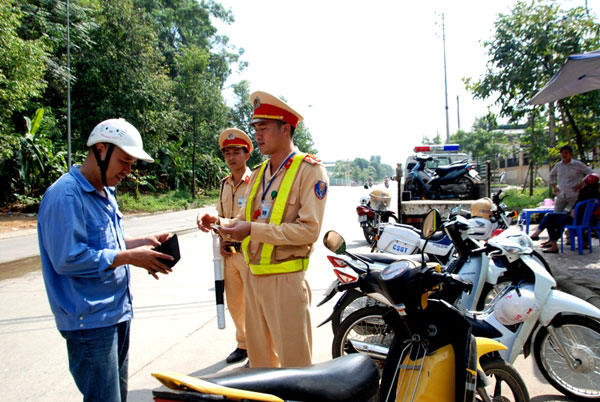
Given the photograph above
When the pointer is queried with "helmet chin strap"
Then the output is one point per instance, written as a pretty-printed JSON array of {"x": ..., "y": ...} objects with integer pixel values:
[{"x": 103, "y": 164}]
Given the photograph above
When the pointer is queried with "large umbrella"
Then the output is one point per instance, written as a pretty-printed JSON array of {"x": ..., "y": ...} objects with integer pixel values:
[{"x": 580, "y": 74}]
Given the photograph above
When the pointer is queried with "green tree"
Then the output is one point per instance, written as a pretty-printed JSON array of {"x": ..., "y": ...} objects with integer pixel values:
[
  {"x": 22, "y": 68},
  {"x": 529, "y": 46},
  {"x": 484, "y": 141},
  {"x": 200, "y": 100},
  {"x": 303, "y": 139},
  {"x": 122, "y": 76}
]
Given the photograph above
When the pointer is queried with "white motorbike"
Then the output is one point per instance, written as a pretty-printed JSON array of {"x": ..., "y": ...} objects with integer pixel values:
[{"x": 529, "y": 315}]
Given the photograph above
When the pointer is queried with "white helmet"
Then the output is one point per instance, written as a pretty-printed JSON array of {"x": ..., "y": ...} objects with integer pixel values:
[
  {"x": 516, "y": 306},
  {"x": 122, "y": 134},
  {"x": 380, "y": 198}
]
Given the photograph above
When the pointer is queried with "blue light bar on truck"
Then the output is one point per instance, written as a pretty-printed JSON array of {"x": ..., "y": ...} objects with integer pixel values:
[{"x": 438, "y": 148}]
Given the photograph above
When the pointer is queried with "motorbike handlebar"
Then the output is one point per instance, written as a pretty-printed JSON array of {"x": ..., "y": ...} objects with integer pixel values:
[{"x": 449, "y": 279}]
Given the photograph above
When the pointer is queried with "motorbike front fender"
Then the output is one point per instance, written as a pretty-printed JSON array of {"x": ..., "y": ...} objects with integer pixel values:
[
  {"x": 329, "y": 293},
  {"x": 559, "y": 302},
  {"x": 485, "y": 346}
]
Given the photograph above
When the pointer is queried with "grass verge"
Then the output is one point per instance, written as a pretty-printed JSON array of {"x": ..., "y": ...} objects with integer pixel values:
[
  {"x": 514, "y": 198},
  {"x": 170, "y": 201}
]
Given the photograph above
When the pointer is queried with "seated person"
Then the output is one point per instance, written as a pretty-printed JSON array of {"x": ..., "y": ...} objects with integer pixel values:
[{"x": 555, "y": 222}]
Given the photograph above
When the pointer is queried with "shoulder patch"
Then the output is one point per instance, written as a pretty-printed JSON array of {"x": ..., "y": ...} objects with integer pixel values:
[
  {"x": 320, "y": 189},
  {"x": 313, "y": 160}
]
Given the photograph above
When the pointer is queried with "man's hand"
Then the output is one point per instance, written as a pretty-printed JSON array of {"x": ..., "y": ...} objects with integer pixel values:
[
  {"x": 237, "y": 231},
  {"x": 226, "y": 249},
  {"x": 144, "y": 257},
  {"x": 205, "y": 221},
  {"x": 152, "y": 240}
]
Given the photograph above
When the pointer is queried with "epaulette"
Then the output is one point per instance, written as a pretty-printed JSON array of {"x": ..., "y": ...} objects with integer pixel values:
[
  {"x": 313, "y": 160},
  {"x": 224, "y": 178}
]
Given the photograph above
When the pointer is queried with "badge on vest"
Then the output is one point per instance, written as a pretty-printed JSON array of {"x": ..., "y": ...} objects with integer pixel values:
[
  {"x": 265, "y": 210},
  {"x": 320, "y": 189}
]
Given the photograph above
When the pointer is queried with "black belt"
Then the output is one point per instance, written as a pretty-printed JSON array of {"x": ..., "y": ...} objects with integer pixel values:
[{"x": 235, "y": 244}]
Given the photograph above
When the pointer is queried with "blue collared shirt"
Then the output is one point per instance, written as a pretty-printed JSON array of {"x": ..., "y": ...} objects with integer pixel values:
[{"x": 80, "y": 233}]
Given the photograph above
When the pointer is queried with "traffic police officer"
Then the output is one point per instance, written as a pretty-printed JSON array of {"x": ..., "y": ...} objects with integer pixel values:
[
  {"x": 278, "y": 226},
  {"x": 236, "y": 147}
]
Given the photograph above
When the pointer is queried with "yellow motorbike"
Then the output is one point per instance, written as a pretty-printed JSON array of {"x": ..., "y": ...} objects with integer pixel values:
[{"x": 432, "y": 357}]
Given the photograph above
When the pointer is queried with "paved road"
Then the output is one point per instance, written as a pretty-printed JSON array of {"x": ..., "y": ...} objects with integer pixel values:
[{"x": 175, "y": 325}]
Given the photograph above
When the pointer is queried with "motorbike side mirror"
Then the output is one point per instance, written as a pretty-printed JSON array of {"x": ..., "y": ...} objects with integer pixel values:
[
  {"x": 366, "y": 186},
  {"x": 432, "y": 222},
  {"x": 334, "y": 242}
]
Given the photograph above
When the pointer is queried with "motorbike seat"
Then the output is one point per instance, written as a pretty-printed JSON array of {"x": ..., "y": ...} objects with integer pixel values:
[
  {"x": 390, "y": 258},
  {"x": 352, "y": 377},
  {"x": 441, "y": 170}
]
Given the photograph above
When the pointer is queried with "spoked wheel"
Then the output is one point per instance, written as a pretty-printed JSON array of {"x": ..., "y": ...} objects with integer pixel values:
[
  {"x": 354, "y": 305},
  {"x": 467, "y": 190},
  {"x": 365, "y": 327},
  {"x": 490, "y": 291},
  {"x": 505, "y": 383},
  {"x": 580, "y": 336}
]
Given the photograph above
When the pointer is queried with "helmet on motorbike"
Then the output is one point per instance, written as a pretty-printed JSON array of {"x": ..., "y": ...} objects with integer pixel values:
[
  {"x": 483, "y": 208},
  {"x": 591, "y": 178},
  {"x": 516, "y": 306},
  {"x": 364, "y": 200},
  {"x": 380, "y": 198}
]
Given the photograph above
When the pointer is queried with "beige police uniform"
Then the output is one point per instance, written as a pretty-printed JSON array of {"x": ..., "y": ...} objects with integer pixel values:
[
  {"x": 278, "y": 326},
  {"x": 231, "y": 199}
]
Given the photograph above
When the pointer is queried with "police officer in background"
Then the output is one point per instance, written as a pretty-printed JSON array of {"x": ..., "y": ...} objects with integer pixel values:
[
  {"x": 278, "y": 226},
  {"x": 236, "y": 147}
]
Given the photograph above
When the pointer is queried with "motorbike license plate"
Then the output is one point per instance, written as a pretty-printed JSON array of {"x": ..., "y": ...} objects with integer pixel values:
[{"x": 362, "y": 218}]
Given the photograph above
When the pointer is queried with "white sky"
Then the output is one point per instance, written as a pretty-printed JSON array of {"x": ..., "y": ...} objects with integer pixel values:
[{"x": 367, "y": 76}]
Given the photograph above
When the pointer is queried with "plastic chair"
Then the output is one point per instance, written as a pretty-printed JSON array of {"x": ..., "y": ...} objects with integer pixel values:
[
  {"x": 576, "y": 229},
  {"x": 596, "y": 227}
]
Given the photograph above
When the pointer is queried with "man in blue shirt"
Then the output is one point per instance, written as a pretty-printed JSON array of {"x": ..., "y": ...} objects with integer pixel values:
[{"x": 85, "y": 260}]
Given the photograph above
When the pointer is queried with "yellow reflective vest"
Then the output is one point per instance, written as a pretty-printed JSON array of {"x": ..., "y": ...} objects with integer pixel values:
[{"x": 265, "y": 266}]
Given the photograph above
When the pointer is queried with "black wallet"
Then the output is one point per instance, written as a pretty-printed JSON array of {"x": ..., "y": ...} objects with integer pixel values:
[{"x": 170, "y": 247}]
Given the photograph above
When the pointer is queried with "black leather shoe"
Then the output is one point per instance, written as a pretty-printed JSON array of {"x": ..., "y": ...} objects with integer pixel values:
[{"x": 237, "y": 356}]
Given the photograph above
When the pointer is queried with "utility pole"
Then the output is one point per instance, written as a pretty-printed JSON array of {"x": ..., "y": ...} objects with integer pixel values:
[
  {"x": 445, "y": 80},
  {"x": 458, "y": 111}
]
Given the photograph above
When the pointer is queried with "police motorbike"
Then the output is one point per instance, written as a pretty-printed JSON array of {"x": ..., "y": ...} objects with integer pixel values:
[
  {"x": 436, "y": 359},
  {"x": 457, "y": 180},
  {"x": 406, "y": 240},
  {"x": 528, "y": 316},
  {"x": 374, "y": 211}
]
